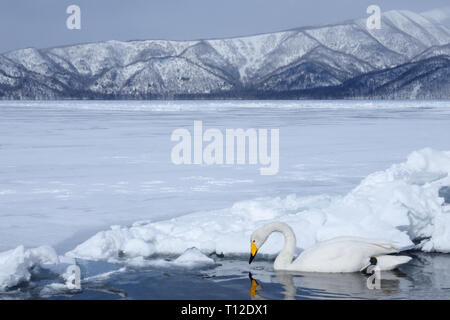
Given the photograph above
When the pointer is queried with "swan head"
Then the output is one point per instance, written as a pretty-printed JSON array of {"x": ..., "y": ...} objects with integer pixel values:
[{"x": 257, "y": 239}]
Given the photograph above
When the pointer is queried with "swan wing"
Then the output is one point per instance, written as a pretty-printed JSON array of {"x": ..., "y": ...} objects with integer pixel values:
[{"x": 343, "y": 254}]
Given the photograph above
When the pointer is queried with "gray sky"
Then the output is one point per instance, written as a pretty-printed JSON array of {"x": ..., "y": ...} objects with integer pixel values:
[{"x": 42, "y": 23}]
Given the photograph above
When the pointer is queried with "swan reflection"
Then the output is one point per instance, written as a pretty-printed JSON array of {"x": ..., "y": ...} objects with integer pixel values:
[{"x": 296, "y": 285}]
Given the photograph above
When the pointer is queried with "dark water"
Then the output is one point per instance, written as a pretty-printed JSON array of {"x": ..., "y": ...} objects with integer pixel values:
[{"x": 425, "y": 277}]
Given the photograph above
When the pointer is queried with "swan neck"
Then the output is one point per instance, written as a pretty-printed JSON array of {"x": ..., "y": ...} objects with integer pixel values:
[{"x": 284, "y": 259}]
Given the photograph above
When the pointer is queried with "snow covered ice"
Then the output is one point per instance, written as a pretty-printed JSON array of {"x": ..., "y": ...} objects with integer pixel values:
[
  {"x": 400, "y": 204},
  {"x": 70, "y": 170},
  {"x": 15, "y": 264}
]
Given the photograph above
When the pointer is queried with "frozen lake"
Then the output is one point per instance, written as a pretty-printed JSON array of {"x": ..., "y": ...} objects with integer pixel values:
[{"x": 70, "y": 169}]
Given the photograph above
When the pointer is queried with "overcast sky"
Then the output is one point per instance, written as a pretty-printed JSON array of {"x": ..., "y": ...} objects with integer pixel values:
[{"x": 42, "y": 23}]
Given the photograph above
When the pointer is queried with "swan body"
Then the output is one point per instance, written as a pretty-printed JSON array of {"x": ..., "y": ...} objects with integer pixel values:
[{"x": 337, "y": 255}]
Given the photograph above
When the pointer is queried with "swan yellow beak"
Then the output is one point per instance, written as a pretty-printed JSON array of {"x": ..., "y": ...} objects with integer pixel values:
[{"x": 253, "y": 251}]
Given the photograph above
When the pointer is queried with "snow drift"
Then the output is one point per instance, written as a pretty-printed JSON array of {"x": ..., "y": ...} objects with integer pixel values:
[
  {"x": 406, "y": 202},
  {"x": 400, "y": 204},
  {"x": 16, "y": 264}
]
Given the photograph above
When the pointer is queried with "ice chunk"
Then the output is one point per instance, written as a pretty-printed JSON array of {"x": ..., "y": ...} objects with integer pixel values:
[
  {"x": 110, "y": 245},
  {"x": 193, "y": 257},
  {"x": 15, "y": 264},
  {"x": 137, "y": 248}
]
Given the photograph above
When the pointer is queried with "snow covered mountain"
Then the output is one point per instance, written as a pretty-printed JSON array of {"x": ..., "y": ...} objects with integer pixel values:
[{"x": 408, "y": 58}]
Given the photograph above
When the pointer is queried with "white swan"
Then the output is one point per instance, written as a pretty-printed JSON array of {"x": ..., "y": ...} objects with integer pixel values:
[{"x": 342, "y": 254}]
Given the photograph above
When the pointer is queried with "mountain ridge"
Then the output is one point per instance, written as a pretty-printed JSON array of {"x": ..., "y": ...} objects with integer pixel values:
[{"x": 280, "y": 63}]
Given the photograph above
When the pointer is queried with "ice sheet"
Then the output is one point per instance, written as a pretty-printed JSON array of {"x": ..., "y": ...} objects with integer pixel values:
[{"x": 69, "y": 170}]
